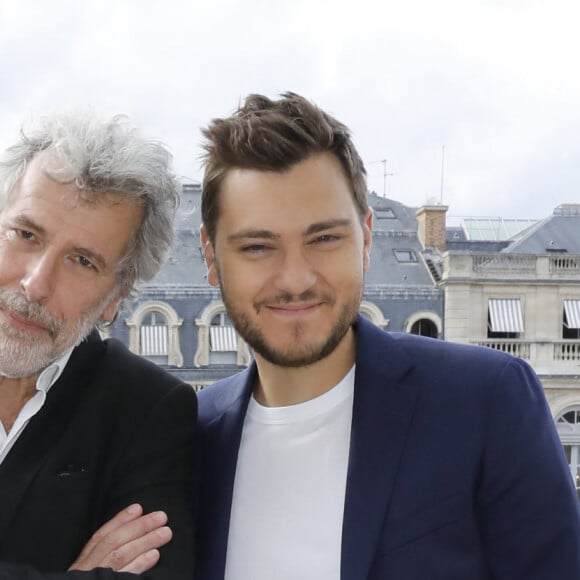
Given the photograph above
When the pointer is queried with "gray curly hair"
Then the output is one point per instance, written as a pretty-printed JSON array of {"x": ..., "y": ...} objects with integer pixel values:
[{"x": 106, "y": 156}]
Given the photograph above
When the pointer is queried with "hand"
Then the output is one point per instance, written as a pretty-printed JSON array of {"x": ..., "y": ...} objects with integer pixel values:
[{"x": 128, "y": 542}]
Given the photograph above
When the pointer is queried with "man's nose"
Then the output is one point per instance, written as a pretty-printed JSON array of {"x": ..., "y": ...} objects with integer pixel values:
[
  {"x": 295, "y": 273},
  {"x": 39, "y": 278}
]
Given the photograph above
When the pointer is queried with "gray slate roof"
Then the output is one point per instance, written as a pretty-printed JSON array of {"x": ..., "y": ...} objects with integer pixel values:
[{"x": 559, "y": 232}]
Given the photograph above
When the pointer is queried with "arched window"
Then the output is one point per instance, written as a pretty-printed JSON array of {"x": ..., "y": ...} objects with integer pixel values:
[
  {"x": 424, "y": 323},
  {"x": 218, "y": 343},
  {"x": 373, "y": 313},
  {"x": 424, "y": 327},
  {"x": 568, "y": 426},
  {"x": 154, "y": 333},
  {"x": 223, "y": 341}
]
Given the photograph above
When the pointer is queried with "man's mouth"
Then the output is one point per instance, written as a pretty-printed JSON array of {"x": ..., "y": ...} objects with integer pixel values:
[
  {"x": 23, "y": 322},
  {"x": 295, "y": 308}
]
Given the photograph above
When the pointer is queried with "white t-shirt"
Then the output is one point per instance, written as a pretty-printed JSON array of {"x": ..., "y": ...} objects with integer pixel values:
[{"x": 288, "y": 502}]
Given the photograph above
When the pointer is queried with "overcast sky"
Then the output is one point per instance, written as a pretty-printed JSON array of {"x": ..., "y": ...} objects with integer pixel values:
[{"x": 494, "y": 82}]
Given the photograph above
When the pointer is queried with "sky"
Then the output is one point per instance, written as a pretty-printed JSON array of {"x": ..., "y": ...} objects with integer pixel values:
[{"x": 471, "y": 103}]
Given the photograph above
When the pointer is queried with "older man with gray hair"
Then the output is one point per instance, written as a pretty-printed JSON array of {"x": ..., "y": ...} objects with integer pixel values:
[{"x": 95, "y": 442}]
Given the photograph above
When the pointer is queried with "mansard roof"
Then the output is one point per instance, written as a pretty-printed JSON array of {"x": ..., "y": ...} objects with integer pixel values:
[{"x": 557, "y": 233}]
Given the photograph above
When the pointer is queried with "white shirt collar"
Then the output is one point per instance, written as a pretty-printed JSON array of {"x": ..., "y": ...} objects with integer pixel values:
[
  {"x": 50, "y": 374},
  {"x": 45, "y": 380}
]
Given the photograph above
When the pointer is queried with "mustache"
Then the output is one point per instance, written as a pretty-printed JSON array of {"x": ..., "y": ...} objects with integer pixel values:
[
  {"x": 287, "y": 298},
  {"x": 31, "y": 311}
]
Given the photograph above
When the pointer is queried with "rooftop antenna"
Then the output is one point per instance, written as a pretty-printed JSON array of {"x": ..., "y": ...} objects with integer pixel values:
[{"x": 385, "y": 174}]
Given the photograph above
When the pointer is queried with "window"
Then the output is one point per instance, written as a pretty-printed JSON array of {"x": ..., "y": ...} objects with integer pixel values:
[
  {"x": 154, "y": 333},
  {"x": 405, "y": 256},
  {"x": 504, "y": 318},
  {"x": 154, "y": 337},
  {"x": 571, "y": 320},
  {"x": 217, "y": 341},
  {"x": 573, "y": 456},
  {"x": 424, "y": 327},
  {"x": 568, "y": 425},
  {"x": 384, "y": 213},
  {"x": 424, "y": 323},
  {"x": 223, "y": 341},
  {"x": 373, "y": 313}
]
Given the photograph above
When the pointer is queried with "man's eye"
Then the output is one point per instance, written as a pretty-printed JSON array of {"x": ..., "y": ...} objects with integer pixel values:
[
  {"x": 84, "y": 262},
  {"x": 325, "y": 238},
  {"x": 25, "y": 234},
  {"x": 254, "y": 249}
]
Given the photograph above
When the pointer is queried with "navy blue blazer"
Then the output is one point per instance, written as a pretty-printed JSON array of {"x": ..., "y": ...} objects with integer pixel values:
[{"x": 455, "y": 471}]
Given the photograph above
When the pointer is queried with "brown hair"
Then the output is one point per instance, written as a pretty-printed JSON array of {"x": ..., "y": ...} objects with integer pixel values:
[{"x": 273, "y": 136}]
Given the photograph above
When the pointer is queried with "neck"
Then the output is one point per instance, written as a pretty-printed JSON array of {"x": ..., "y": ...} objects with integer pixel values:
[
  {"x": 282, "y": 386},
  {"x": 14, "y": 393}
]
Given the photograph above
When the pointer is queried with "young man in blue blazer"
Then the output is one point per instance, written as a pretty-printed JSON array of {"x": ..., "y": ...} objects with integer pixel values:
[{"x": 344, "y": 451}]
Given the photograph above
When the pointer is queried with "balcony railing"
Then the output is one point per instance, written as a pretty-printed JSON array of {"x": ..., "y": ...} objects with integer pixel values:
[
  {"x": 564, "y": 264},
  {"x": 498, "y": 263},
  {"x": 552, "y": 357},
  {"x": 567, "y": 350},
  {"x": 459, "y": 265},
  {"x": 513, "y": 347}
]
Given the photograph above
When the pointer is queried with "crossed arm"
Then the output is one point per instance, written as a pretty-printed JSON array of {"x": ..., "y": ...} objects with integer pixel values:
[{"x": 128, "y": 542}]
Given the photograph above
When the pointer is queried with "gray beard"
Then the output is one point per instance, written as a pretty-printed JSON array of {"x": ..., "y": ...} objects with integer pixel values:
[{"x": 24, "y": 353}]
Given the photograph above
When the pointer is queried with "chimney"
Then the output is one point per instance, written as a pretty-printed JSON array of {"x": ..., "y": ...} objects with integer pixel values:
[{"x": 431, "y": 226}]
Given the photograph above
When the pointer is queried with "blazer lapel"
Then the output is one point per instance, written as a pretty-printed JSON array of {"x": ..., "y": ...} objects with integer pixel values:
[
  {"x": 382, "y": 414},
  {"x": 30, "y": 451},
  {"x": 220, "y": 446}
]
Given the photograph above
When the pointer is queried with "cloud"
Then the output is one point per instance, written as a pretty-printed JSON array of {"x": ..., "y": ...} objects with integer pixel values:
[{"x": 495, "y": 82}]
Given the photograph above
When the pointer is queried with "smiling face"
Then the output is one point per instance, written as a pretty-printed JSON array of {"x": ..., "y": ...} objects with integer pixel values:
[
  {"x": 58, "y": 260},
  {"x": 289, "y": 255}
]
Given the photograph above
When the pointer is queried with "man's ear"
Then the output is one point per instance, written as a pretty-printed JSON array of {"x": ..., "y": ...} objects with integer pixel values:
[
  {"x": 112, "y": 307},
  {"x": 209, "y": 256},
  {"x": 110, "y": 312},
  {"x": 367, "y": 239}
]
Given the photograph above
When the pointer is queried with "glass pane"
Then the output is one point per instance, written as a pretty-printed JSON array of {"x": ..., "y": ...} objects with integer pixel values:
[
  {"x": 569, "y": 417},
  {"x": 153, "y": 319}
]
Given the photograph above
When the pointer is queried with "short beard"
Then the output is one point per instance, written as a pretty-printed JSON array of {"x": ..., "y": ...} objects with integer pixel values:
[
  {"x": 20, "y": 354},
  {"x": 302, "y": 355}
]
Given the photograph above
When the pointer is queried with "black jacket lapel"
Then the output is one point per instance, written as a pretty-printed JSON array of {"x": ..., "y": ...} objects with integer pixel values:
[{"x": 29, "y": 452}]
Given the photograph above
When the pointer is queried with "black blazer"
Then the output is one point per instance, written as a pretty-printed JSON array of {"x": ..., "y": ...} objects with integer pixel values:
[{"x": 115, "y": 429}]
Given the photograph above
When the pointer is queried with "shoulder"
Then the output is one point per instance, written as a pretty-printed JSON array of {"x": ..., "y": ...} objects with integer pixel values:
[
  {"x": 225, "y": 394},
  {"x": 419, "y": 349},
  {"x": 434, "y": 364},
  {"x": 121, "y": 374},
  {"x": 120, "y": 359},
  {"x": 435, "y": 350}
]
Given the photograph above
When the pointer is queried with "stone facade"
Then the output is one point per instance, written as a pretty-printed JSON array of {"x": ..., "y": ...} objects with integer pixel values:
[{"x": 536, "y": 276}]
